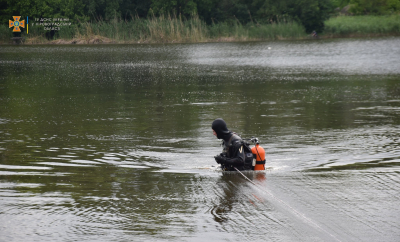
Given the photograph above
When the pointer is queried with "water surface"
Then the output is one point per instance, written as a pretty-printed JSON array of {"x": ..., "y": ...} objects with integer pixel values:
[{"x": 114, "y": 142}]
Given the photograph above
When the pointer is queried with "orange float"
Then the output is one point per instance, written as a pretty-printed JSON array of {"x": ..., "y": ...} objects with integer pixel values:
[{"x": 259, "y": 155}]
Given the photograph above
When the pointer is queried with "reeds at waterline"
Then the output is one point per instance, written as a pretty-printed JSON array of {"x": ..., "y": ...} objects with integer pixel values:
[{"x": 161, "y": 29}]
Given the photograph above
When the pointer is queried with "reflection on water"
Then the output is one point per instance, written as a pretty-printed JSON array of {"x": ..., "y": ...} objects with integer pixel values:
[{"x": 113, "y": 142}]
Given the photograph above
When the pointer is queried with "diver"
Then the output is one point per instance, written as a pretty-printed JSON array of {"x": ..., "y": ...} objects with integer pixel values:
[
  {"x": 314, "y": 34},
  {"x": 233, "y": 154}
]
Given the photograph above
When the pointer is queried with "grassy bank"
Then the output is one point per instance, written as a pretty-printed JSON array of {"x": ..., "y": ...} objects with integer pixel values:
[
  {"x": 163, "y": 29},
  {"x": 362, "y": 26},
  {"x": 173, "y": 29}
]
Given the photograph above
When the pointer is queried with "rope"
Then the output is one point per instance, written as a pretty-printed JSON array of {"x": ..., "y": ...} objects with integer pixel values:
[{"x": 288, "y": 206}]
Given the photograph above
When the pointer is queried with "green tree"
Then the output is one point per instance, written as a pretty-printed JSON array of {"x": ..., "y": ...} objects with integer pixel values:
[
  {"x": 236, "y": 10},
  {"x": 340, "y": 3},
  {"x": 310, "y": 13},
  {"x": 72, "y": 9},
  {"x": 207, "y": 10},
  {"x": 184, "y": 7},
  {"x": 225, "y": 10},
  {"x": 374, "y": 6},
  {"x": 112, "y": 9},
  {"x": 132, "y": 8}
]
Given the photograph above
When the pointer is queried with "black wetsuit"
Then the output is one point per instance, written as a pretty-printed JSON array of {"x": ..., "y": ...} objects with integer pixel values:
[
  {"x": 233, "y": 154},
  {"x": 233, "y": 149}
]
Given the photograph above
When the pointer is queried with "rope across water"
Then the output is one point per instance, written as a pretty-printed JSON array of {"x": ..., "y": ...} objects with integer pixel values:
[{"x": 288, "y": 206}]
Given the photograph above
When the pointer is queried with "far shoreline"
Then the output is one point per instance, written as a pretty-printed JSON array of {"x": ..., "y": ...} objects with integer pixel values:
[
  {"x": 100, "y": 40},
  {"x": 162, "y": 30}
]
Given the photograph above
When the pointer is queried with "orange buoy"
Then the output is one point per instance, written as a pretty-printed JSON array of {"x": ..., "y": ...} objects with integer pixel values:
[{"x": 259, "y": 154}]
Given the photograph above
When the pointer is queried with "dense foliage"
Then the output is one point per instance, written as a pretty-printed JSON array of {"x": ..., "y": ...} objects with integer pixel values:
[
  {"x": 310, "y": 13},
  {"x": 360, "y": 7}
]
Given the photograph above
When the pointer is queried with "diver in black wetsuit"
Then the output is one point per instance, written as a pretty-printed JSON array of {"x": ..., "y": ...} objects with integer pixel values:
[{"x": 233, "y": 154}]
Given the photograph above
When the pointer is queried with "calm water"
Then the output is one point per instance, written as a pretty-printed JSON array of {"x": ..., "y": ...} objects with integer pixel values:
[{"x": 114, "y": 142}]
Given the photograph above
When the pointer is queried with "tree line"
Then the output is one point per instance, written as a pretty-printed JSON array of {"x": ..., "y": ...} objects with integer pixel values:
[{"x": 310, "y": 13}]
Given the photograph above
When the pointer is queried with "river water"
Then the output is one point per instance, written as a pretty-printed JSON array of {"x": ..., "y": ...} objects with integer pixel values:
[{"x": 114, "y": 142}]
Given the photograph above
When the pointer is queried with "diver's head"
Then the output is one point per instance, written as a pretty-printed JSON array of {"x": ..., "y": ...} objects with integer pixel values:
[{"x": 220, "y": 129}]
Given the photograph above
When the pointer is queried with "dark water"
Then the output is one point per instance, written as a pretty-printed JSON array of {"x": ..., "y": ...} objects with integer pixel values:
[{"x": 114, "y": 142}]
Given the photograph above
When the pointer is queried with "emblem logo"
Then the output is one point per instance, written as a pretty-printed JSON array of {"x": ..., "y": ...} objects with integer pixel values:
[{"x": 17, "y": 24}]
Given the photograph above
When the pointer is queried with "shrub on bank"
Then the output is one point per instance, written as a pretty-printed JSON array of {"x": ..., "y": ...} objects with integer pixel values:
[{"x": 367, "y": 25}]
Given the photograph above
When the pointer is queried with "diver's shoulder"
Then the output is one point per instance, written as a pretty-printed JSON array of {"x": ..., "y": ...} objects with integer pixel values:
[{"x": 235, "y": 138}]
